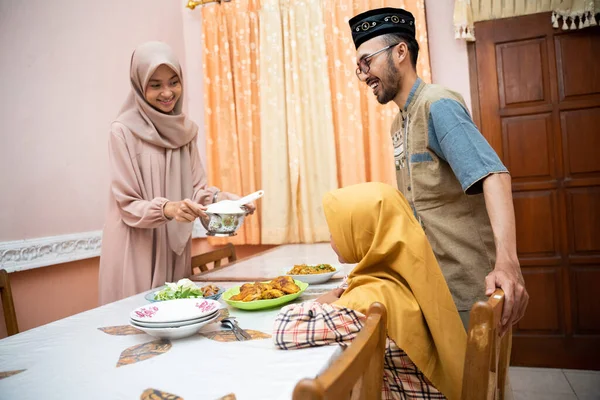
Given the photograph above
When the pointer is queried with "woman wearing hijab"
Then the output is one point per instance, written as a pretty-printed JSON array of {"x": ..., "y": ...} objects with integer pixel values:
[
  {"x": 158, "y": 185},
  {"x": 372, "y": 225}
]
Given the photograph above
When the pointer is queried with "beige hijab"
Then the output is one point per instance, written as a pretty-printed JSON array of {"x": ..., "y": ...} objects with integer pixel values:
[{"x": 173, "y": 131}]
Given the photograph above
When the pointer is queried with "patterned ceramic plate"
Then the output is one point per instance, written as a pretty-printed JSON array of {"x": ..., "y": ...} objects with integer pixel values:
[
  {"x": 177, "y": 332},
  {"x": 173, "y": 324},
  {"x": 174, "y": 310},
  {"x": 262, "y": 304}
]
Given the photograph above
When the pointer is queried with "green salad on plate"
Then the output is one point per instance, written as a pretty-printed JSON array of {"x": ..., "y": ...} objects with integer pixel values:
[{"x": 183, "y": 289}]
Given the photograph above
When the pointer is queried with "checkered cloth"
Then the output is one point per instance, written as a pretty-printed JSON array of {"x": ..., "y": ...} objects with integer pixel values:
[{"x": 311, "y": 324}]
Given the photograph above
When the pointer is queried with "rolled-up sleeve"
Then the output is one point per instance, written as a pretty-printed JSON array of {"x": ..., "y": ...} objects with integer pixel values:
[{"x": 454, "y": 137}]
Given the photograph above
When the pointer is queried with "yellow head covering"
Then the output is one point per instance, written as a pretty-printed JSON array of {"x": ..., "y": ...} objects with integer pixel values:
[{"x": 372, "y": 224}]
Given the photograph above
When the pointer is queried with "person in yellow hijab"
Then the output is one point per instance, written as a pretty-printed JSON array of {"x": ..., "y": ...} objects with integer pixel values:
[{"x": 373, "y": 226}]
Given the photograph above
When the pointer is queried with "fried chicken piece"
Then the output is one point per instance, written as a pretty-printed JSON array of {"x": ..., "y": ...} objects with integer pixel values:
[
  {"x": 209, "y": 290},
  {"x": 272, "y": 294},
  {"x": 254, "y": 295},
  {"x": 246, "y": 286},
  {"x": 285, "y": 284},
  {"x": 248, "y": 292},
  {"x": 237, "y": 297},
  {"x": 278, "y": 287},
  {"x": 264, "y": 286}
]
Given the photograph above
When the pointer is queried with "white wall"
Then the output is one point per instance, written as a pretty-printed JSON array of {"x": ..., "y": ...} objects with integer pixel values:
[
  {"x": 64, "y": 74},
  {"x": 449, "y": 60}
]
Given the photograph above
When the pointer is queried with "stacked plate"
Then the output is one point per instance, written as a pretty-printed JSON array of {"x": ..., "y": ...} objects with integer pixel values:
[{"x": 175, "y": 319}]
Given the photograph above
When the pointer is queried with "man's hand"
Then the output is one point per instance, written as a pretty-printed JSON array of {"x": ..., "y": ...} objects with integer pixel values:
[
  {"x": 508, "y": 277},
  {"x": 330, "y": 297}
]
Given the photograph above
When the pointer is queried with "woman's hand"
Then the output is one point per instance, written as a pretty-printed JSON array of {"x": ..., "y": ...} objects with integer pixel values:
[
  {"x": 251, "y": 207},
  {"x": 184, "y": 211},
  {"x": 330, "y": 297}
]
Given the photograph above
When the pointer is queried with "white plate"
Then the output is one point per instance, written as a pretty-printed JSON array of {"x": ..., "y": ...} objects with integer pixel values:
[
  {"x": 172, "y": 324},
  {"x": 178, "y": 332},
  {"x": 174, "y": 310},
  {"x": 314, "y": 279}
]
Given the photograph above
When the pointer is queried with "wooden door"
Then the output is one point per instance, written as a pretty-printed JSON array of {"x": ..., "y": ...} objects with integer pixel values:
[{"x": 539, "y": 107}]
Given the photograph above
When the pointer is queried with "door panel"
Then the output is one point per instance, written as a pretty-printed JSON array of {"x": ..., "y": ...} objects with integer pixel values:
[
  {"x": 531, "y": 135},
  {"x": 539, "y": 104},
  {"x": 578, "y": 57},
  {"x": 584, "y": 219},
  {"x": 536, "y": 225},
  {"x": 585, "y": 287},
  {"x": 581, "y": 141},
  {"x": 527, "y": 85},
  {"x": 544, "y": 310}
]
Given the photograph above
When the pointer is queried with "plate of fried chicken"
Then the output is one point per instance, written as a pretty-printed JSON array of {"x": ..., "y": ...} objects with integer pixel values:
[{"x": 260, "y": 295}]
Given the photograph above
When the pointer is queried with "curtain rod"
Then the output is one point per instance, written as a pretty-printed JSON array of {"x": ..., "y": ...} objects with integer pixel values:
[{"x": 193, "y": 3}]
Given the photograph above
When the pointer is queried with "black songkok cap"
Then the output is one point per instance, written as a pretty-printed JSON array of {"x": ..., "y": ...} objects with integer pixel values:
[{"x": 379, "y": 22}]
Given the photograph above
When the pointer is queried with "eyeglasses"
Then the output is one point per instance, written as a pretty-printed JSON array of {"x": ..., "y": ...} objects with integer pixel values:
[{"x": 364, "y": 67}]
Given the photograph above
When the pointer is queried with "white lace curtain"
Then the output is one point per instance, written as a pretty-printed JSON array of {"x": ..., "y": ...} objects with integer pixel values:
[{"x": 566, "y": 14}]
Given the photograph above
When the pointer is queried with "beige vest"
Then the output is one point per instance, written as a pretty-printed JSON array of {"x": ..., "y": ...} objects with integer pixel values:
[{"x": 457, "y": 225}]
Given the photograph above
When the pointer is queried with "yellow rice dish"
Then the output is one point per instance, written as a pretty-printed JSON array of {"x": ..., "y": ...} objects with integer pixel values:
[{"x": 304, "y": 269}]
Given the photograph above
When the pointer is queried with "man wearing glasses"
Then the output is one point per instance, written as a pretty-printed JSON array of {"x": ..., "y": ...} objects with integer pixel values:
[{"x": 457, "y": 186}]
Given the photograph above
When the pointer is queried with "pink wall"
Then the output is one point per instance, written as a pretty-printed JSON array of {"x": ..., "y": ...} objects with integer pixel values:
[
  {"x": 193, "y": 71},
  {"x": 449, "y": 60},
  {"x": 64, "y": 73},
  {"x": 43, "y": 295}
]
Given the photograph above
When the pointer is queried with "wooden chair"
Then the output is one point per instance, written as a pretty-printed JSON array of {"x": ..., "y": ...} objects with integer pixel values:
[
  {"x": 488, "y": 354},
  {"x": 201, "y": 261},
  {"x": 10, "y": 317},
  {"x": 358, "y": 372}
]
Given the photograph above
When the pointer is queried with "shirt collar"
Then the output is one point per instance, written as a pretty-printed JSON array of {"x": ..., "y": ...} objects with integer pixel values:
[{"x": 412, "y": 93}]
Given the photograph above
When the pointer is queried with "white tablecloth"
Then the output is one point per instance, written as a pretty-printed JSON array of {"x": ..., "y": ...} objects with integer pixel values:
[
  {"x": 73, "y": 359},
  {"x": 281, "y": 259}
]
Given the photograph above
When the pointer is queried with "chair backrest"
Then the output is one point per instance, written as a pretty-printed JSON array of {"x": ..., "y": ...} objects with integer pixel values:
[
  {"x": 488, "y": 354},
  {"x": 10, "y": 317},
  {"x": 358, "y": 372},
  {"x": 201, "y": 261}
]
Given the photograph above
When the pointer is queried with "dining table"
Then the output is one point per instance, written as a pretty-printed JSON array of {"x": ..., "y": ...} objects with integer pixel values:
[{"x": 97, "y": 354}]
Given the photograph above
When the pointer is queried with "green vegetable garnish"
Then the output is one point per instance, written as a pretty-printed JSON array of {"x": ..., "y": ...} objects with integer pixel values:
[{"x": 184, "y": 289}]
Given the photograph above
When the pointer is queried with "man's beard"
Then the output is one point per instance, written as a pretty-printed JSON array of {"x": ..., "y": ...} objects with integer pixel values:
[{"x": 391, "y": 85}]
